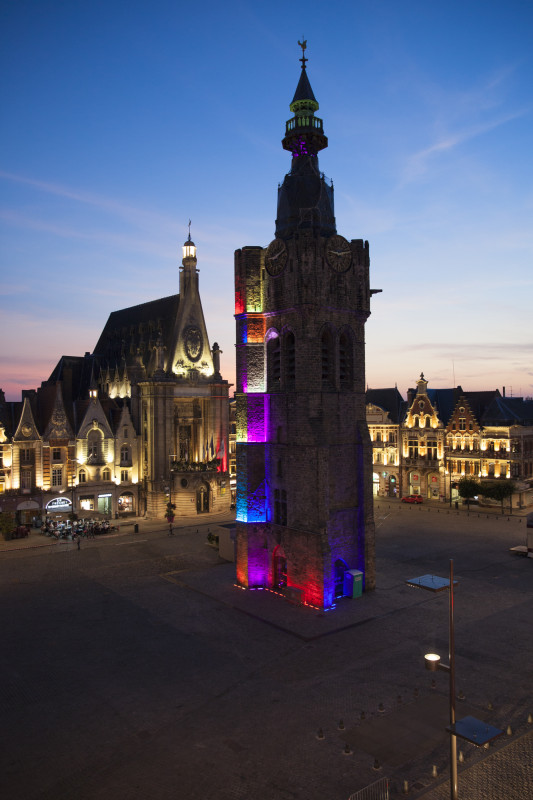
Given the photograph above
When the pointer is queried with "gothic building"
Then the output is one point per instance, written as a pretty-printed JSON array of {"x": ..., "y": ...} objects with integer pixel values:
[
  {"x": 304, "y": 489},
  {"x": 140, "y": 423}
]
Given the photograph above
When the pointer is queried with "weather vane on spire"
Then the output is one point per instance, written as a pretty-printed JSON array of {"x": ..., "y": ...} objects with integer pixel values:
[
  {"x": 303, "y": 45},
  {"x": 189, "y": 230}
]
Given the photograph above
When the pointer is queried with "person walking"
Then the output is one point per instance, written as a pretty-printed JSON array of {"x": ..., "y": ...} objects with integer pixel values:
[{"x": 78, "y": 541}]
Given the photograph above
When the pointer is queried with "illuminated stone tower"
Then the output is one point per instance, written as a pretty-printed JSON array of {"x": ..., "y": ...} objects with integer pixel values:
[{"x": 304, "y": 466}]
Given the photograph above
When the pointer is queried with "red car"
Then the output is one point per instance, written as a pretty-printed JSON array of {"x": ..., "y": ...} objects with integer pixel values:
[{"x": 412, "y": 498}]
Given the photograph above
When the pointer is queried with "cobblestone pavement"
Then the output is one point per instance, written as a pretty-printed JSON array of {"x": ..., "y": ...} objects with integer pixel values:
[
  {"x": 134, "y": 668},
  {"x": 507, "y": 775}
]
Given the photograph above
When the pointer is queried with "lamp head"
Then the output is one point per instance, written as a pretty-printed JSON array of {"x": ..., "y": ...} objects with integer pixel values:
[{"x": 432, "y": 661}]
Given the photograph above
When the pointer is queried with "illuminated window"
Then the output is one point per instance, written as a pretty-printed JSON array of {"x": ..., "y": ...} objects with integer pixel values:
[
  {"x": 432, "y": 448},
  {"x": 25, "y": 455},
  {"x": 462, "y": 424},
  {"x": 124, "y": 454},
  {"x": 26, "y": 479},
  {"x": 57, "y": 476},
  {"x": 94, "y": 441},
  {"x": 106, "y": 475},
  {"x": 82, "y": 477},
  {"x": 56, "y": 454},
  {"x": 124, "y": 475},
  {"x": 413, "y": 448}
]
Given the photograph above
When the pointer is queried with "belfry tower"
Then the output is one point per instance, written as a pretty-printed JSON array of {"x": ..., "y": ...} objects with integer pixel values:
[{"x": 304, "y": 465}]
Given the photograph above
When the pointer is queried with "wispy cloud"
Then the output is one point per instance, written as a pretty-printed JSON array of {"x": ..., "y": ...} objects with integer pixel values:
[{"x": 417, "y": 164}]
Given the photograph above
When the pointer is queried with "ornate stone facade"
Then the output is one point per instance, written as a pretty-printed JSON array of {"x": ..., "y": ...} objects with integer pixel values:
[{"x": 139, "y": 424}]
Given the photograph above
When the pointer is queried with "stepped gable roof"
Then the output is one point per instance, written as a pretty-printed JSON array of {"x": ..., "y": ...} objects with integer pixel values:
[
  {"x": 389, "y": 400},
  {"x": 136, "y": 327},
  {"x": 509, "y": 411}
]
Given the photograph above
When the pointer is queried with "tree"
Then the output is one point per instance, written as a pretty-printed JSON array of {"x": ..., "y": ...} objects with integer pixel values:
[
  {"x": 468, "y": 489},
  {"x": 7, "y": 524},
  {"x": 499, "y": 490}
]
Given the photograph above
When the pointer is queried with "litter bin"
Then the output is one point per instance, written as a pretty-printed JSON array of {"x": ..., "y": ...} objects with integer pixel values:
[
  {"x": 353, "y": 583},
  {"x": 136, "y": 528}
]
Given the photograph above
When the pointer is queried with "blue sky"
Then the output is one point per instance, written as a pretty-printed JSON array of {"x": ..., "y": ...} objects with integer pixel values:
[{"x": 123, "y": 120}]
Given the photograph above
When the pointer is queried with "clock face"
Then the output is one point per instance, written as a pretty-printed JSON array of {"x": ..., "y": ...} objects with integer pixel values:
[
  {"x": 193, "y": 343},
  {"x": 338, "y": 253},
  {"x": 276, "y": 257},
  {"x": 26, "y": 430}
]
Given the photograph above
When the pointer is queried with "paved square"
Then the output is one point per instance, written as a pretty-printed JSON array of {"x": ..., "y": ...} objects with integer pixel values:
[{"x": 135, "y": 669}]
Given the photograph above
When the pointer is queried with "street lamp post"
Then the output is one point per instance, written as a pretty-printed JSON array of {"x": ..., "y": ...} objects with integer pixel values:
[{"x": 469, "y": 728}]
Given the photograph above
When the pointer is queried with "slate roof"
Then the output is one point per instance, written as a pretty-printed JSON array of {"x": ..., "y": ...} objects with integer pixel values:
[
  {"x": 508, "y": 411},
  {"x": 303, "y": 90},
  {"x": 136, "y": 326},
  {"x": 389, "y": 400}
]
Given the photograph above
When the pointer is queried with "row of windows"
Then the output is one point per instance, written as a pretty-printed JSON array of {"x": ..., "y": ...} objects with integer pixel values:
[{"x": 281, "y": 361}]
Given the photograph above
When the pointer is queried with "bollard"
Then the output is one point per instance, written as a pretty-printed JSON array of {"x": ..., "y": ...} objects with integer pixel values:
[
  {"x": 490, "y": 707},
  {"x": 433, "y": 683},
  {"x": 529, "y": 719},
  {"x": 509, "y": 731},
  {"x": 320, "y": 734},
  {"x": 347, "y": 751},
  {"x": 434, "y": 772},
  {"x": 381, "y": 708},
  {"x": 405, "y": 789},
  {"x": 377, "y": 765},
  {"x": 340, "y": 726},
  {"x": 461, "y": 695},
  {"x": 461, "y": 757},
  {"x": 415, "y": 693},
  {"x": 362, "y": 715}
]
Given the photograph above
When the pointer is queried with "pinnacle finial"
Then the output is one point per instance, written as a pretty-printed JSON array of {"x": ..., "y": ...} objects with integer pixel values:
[
  {"x": 189, "y": 239},
  {"x": 303, "y": 45}
]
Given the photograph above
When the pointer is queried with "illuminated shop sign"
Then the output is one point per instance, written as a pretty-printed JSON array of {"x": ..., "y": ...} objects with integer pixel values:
[
  {"x": 58, "y": 504},
  {"x": 106, "y": 495}
]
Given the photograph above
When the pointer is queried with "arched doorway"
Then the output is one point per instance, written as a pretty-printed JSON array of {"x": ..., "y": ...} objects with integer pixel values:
[
  {"x": 202, "y": 499},
  {"x": 126, "y": 503},
  {"x": 279, "y": 572},
  {"x": 338, "y": 577}
]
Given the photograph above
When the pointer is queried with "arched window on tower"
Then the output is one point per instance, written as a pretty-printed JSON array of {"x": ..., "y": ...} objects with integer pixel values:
[
  {"x": 273, "y": 364},
  {"x": 345, "y": 360},
  {"x": 327, "y": 364},
  {"x": 289, "y": 347}
]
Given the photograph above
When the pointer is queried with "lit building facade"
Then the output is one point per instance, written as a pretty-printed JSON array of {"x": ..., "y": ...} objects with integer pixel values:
[
  {"x": 304, "y": 487},
  {"x": 444, "y": 435},
  {"x": 141, "y": 423}
]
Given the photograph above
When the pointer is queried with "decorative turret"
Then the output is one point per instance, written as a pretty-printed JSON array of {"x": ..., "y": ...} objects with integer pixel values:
[
  {"x": 305, "y": 200},
  {"x": 189, "y": 271},
  {"x": 304, "y": 133}
]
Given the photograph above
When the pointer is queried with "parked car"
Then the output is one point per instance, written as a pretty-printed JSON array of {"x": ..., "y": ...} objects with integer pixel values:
[{"x": 412, "y": 498}]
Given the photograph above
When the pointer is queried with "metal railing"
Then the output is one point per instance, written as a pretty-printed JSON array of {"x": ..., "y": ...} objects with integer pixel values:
[{"x": 375, "y": 791}]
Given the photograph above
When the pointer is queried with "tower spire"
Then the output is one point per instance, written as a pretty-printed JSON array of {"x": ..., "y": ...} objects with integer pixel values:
[
  {"x": 304, "y": 198},
  {"x": 304, "y": 133}
]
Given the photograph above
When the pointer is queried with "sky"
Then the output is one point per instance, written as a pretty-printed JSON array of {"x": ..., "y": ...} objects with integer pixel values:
[{"x": 123, "y": 120}]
